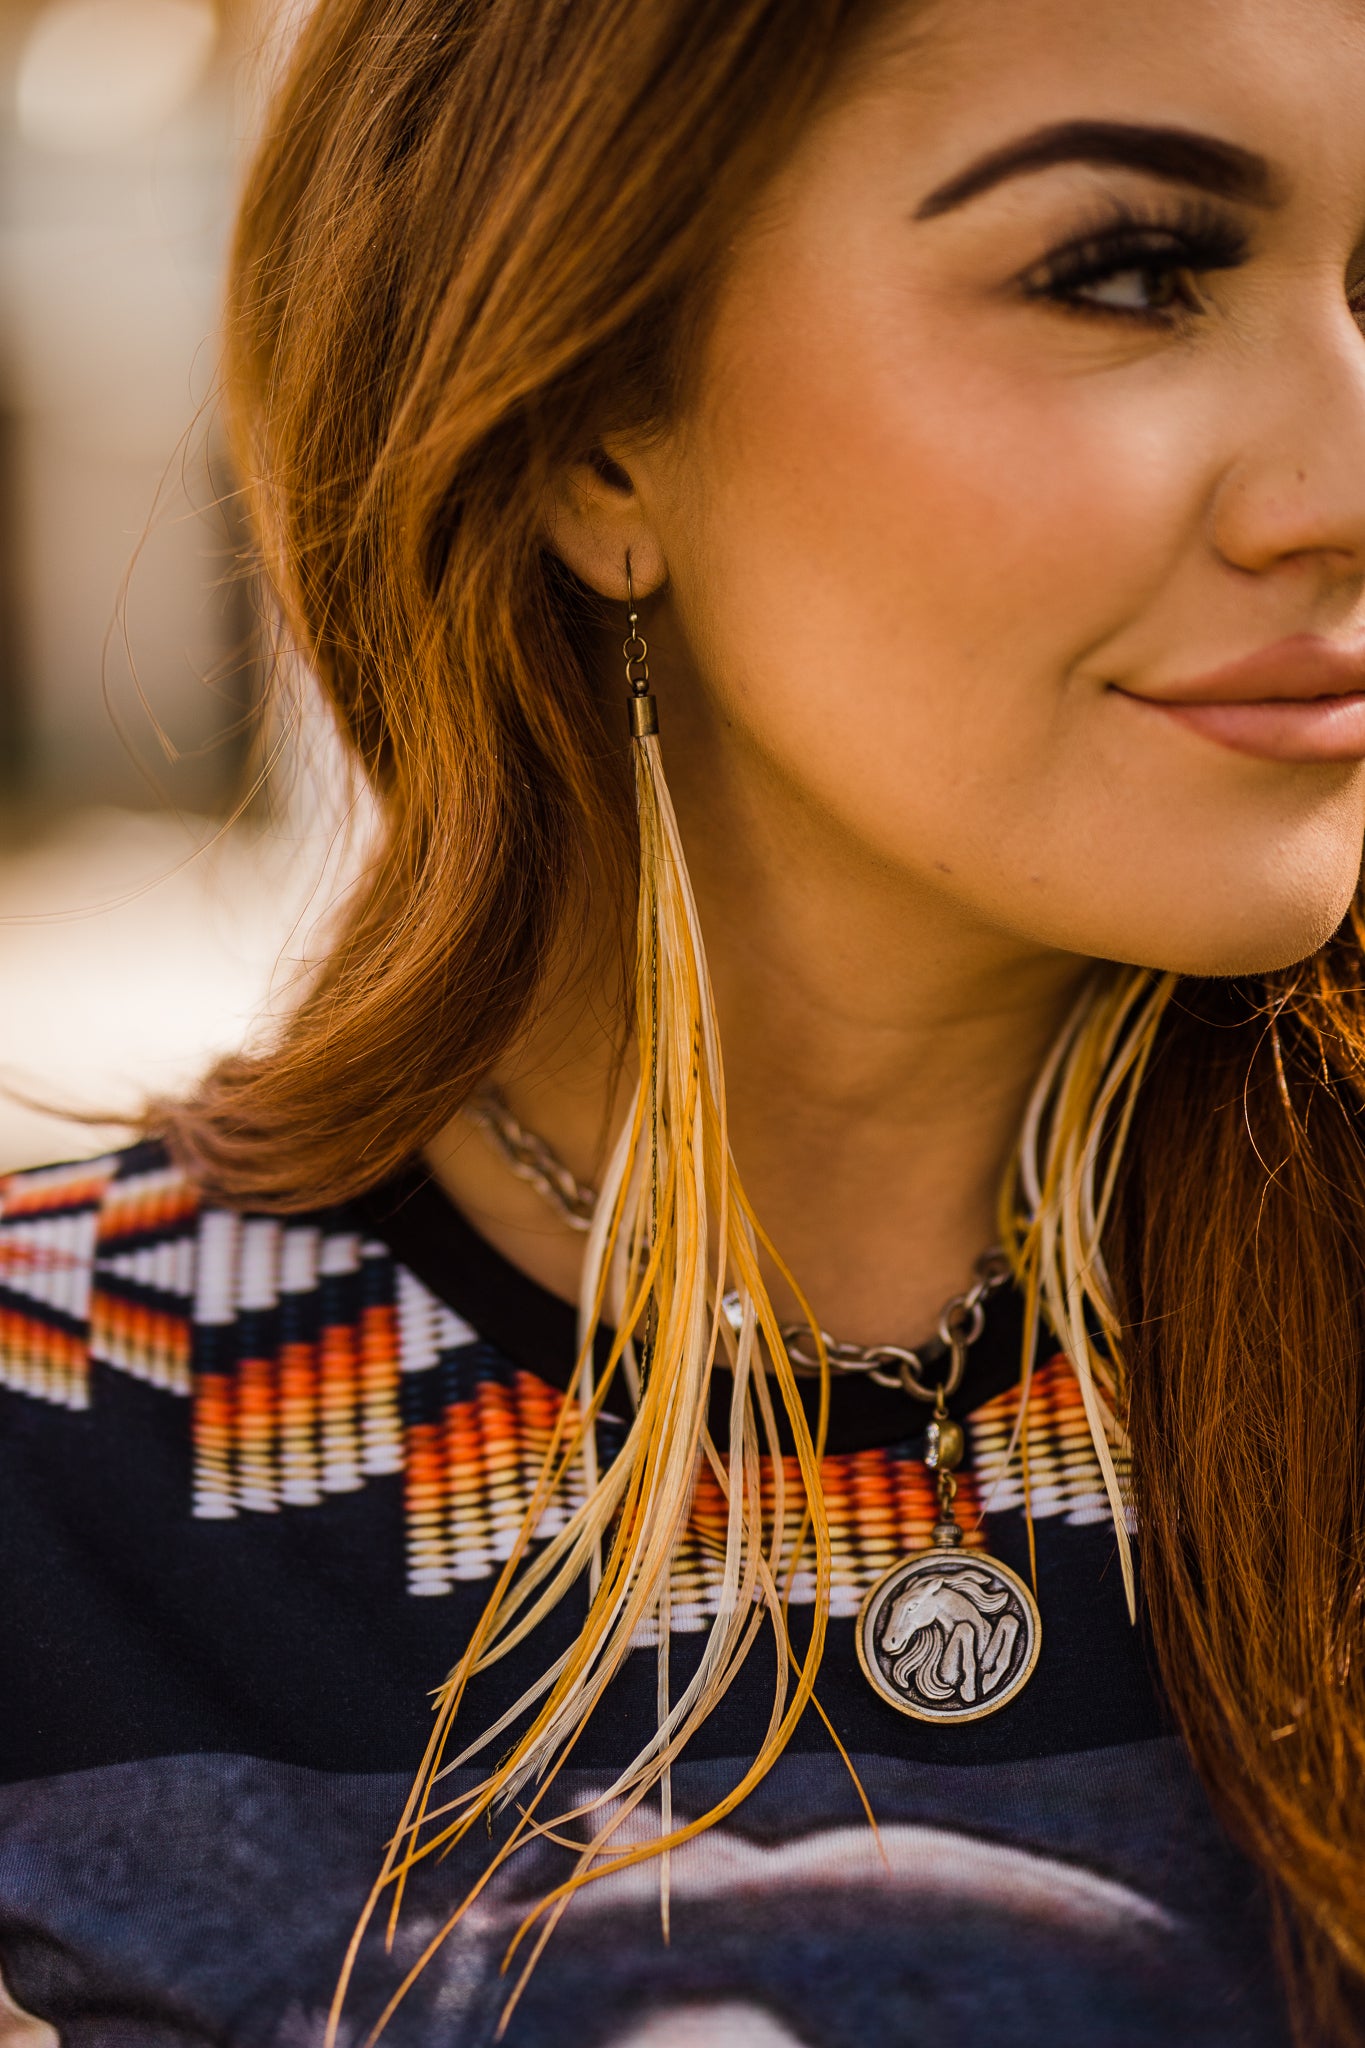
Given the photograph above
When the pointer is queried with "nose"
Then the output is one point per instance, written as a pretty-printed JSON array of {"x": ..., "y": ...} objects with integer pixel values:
[{"x": 1296, "y": 492}]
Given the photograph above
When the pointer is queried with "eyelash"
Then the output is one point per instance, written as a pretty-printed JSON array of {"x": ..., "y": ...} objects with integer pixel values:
[{"x": 1189, "y": 238}]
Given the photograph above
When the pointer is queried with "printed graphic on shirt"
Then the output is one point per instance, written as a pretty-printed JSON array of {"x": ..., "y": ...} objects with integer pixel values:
[{"x": 217, "y": 1898}]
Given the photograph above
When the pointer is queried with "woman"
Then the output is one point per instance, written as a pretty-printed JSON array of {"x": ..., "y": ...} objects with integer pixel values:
[{"x": 959, "y": 414}]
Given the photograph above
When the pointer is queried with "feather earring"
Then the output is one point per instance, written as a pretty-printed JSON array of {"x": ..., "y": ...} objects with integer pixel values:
[
  {"x": 1057, "y": 1199},
  {"x": 672, "y": 1235}
]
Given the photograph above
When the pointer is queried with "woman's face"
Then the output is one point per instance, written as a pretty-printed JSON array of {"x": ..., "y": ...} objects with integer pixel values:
[{"x": 1035, "y": 399}]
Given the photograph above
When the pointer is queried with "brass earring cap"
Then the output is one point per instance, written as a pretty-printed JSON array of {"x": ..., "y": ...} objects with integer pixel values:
[{"x": 644, "y": 716}]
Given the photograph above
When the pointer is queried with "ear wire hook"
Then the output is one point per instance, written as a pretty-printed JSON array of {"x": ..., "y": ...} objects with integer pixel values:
[{"x": 644, "y": 711}]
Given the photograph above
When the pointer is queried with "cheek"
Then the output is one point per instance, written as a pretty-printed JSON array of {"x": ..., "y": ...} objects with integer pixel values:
[{"x": 935, "y": 536}]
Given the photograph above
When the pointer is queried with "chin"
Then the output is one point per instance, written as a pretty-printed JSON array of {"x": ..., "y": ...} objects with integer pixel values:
[{"x": 1261, "y": 938}]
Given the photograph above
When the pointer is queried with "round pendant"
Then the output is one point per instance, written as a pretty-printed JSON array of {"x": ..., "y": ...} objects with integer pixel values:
[{"x": 949, "y": 1635}]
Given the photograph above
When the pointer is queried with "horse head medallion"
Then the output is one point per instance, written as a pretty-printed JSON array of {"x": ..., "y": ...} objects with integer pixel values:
[{"x": 948, "y": 1637}]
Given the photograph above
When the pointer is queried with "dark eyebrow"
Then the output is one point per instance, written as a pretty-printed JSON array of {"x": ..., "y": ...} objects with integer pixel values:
[{"x": 1176, "y": 154}]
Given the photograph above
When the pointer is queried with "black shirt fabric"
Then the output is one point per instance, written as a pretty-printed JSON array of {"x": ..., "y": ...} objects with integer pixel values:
[{"x": 256, "y": 1476}]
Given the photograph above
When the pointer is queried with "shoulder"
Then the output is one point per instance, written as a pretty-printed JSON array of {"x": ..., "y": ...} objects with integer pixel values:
[
  {"x": 303, "y": 1356},
  {"x": 126, "y": 1216},
  {"x": 121, "y": 1262}
]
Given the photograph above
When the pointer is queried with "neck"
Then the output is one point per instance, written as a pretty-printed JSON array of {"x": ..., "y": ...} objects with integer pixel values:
[{"x": 880, "y": 1046}]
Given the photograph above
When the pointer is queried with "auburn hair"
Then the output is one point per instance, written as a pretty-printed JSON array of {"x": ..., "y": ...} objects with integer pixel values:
[{"x": 479, "y": 234}]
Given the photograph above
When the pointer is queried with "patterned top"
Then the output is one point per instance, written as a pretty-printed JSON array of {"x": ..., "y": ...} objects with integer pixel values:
[
  {"x": 315, "y": 1361},
  {"x": 352, "y": 1407}
]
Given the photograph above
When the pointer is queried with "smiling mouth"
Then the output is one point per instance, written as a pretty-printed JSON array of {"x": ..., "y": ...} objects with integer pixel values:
[{"x": 1300, "y": 700}]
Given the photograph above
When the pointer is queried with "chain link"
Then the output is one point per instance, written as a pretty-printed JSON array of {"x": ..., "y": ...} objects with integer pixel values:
[
  {"x": 531, "y": 1160},
  {"x": 961, "y": 1319}
]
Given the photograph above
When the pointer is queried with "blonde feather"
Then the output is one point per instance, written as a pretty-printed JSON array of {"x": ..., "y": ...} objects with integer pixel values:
[{"x": 672, "y": 1235}]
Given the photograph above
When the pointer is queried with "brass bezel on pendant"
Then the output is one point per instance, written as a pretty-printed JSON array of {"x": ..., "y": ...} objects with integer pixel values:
[{"x": 867, "y": 1614}]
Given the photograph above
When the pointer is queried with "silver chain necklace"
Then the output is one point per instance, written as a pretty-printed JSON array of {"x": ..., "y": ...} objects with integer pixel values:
[{"x": 896, "y": 1366}]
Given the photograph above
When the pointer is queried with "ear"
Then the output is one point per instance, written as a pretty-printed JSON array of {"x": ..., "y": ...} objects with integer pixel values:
[{"x": 594, "y": 519}]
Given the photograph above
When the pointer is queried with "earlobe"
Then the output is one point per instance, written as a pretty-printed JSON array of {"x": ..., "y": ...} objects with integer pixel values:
[{"x": 594, "y": 519}]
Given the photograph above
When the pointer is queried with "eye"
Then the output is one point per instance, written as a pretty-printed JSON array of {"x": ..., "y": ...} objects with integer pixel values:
[
  {"x": 1141, "y": 288},
  {"x": 1135, "y": 269}
]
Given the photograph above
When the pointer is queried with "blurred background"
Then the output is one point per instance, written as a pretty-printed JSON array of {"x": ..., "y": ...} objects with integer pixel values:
[{"x": 139, "y": 932}]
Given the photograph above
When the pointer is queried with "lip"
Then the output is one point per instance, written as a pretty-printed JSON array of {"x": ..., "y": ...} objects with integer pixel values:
[{"x": 1300, "y": 700}]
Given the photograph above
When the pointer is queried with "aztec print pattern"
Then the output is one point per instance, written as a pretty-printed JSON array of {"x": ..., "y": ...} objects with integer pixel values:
[{"x": 313, "y": 1362}]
